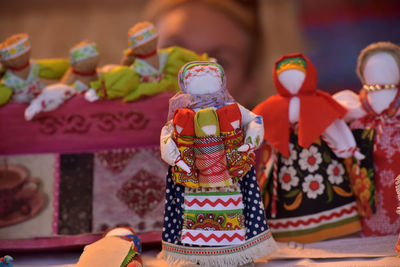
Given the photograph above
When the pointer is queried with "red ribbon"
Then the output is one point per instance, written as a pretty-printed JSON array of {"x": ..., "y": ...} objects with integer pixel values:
[
  {"x": 20, "y": 68},
  {"x": 146, "y": 55},
  {"x": 84, "y": 73}
]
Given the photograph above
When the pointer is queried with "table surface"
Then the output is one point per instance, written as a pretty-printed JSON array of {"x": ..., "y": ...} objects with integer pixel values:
[{"x": 355, "y": 251}]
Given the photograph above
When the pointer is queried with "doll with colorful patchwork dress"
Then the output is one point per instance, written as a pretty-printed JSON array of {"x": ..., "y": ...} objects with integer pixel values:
[
  {"x": 375, "y": 113},
  {"x": 307, "y": 189},
  {"x": 214, "y": 215},
  {"x": 146, "y": 70},
  {"x": 21, "y": 80}
]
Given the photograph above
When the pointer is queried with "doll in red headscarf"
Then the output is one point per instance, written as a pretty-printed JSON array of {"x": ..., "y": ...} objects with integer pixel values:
[{"x": 307, "y": 192}]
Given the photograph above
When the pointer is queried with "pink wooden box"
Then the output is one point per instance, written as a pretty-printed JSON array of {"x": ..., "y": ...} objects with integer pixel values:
[{"x": 94, "y": 166}]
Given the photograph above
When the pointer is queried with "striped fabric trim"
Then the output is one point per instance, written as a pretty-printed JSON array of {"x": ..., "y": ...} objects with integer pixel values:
[
  {"x": 213, "y": 238},
  {"x": 205, "y": 251},
  {"x": 315, "y": 220},
  {"x": 210, "y": 202}
]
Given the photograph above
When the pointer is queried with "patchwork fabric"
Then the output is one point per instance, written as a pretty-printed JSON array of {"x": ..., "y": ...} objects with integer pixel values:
[
  {"x": 311, "y": 192},
  {"x": 239, "y": 163},
  {"x": 257, "y": 238},
  {"x": 24, "y": 90},
  {"x": 213, "y": 218},
  {"x": 362, "y": 173},
  {"x": 211, "y": 162},
  {"x": 386, "y": 158},
  {"x": 183, "y": 123}
]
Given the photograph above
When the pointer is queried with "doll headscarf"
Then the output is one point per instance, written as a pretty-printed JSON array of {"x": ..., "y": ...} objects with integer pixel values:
[
  {"x": 317, "y": 109},
  {"x": 185, "y": 100}
]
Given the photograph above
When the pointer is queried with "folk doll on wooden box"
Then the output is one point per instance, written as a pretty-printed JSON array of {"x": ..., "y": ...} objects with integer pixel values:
[
  {"x": 119, "y": 247},
  {"x": 374, "y": 113},
  {"x": 213, "y": 214},
  {"x": 21, "y": 81},
  {"x": 307, "y": 189},
  {"x": 145, "y": 70},
  {"x": 84, "y": 58}
]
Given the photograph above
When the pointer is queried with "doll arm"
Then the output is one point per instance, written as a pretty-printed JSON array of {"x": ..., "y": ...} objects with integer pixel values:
[
  {"x": 5, "y": 94},
  {"x": 254, "y": 128},
  {"x": 340, "y": 139},
  {"x": 169, "y": 151},
  {"x": 53, "y": 68},
  {"x": 351, "y": 101},
  {"x": 116, "y": 83}
]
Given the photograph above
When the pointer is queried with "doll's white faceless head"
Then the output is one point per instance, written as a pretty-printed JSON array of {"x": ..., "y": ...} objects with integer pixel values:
[
  {"x": 292, "y": 80},
  {"x": 204, "y": 84},
  {"x": 381, "y": 68}
]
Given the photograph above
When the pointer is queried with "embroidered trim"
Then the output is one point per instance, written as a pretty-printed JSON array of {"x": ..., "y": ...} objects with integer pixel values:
[
  {"x": 140, "y": 37},
  {"x": 314, "y": 220},
  {"x": 16, "y": 49},
  {"x": 213, "y": 202},
  {"x": 379, "y": 87},
  {"x": 213, "y": 238},
  {"x": 83, "y": 52},
  {"x": 254, "y": 248}
]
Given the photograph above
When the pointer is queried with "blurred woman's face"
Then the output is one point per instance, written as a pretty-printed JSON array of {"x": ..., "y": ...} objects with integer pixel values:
[{"x": 200, "y": 28}]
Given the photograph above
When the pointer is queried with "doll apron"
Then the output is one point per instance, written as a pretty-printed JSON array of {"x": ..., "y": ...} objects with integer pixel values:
[
  {"x": 24, "y": 90},
  {"x": 307, "y": 195},
  {"x": 386, "y": 158},
  {"x": 215, "y": 226}
]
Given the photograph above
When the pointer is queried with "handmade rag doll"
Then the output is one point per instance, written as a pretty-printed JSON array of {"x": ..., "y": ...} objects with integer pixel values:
[
  {"x": 214, "y": 215},
  {"x": 119, "y": 247},
  {"x": 307, "y": 192},
  {"x": 21, "y": 80},
  {"x": 84, "y": 58},
  {"x": 375, "y": 112},
  {"x": 146, "y": 70}
]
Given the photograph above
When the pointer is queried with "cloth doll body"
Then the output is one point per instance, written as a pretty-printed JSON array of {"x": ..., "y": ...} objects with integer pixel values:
[
  {"x": 146, "y": 70},
  {"x": 375, "y": 111},
  {"x": 84, "y": 58},
  {"x": 305, "y": 180},
  {"x": 119, "y": 247},
  {"x": 211, "y": 225},
  {"x": 21, "y": 80},
  {"x": 184, "y": 134}
]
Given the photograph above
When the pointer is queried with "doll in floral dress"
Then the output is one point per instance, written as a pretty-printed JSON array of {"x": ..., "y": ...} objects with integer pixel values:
[
  {"x": 307, "y": 189},
  {"x": 214, "y": 215},
  {"x": 146, "y": 70},
  {"x": 21, "y": 81},
  {"x": 375, "y": 113}
]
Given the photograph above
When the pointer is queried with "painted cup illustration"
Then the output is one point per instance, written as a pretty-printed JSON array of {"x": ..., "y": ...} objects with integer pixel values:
[{"x": 13, "y": 179}]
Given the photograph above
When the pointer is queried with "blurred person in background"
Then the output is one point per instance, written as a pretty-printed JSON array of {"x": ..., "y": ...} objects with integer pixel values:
[
  {"x": 245, "y": 36},
  {"x": 227, "y": 30}
]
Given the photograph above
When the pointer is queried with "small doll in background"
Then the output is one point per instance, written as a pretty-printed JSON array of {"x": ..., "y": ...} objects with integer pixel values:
[
  {"x": 145, "y": 70},
  {"x": 213, "y": 213},
  {"x": 307, "y": 189},
  {"x": 21, "y": 80},
  {"x": 375, "y": 114},
  {"x": 119, "y": 247},
  {"x": 84, "y": 58}
]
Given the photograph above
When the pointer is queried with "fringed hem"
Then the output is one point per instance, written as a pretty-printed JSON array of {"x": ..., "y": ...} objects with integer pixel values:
[{"x": 227, "y": 256}]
